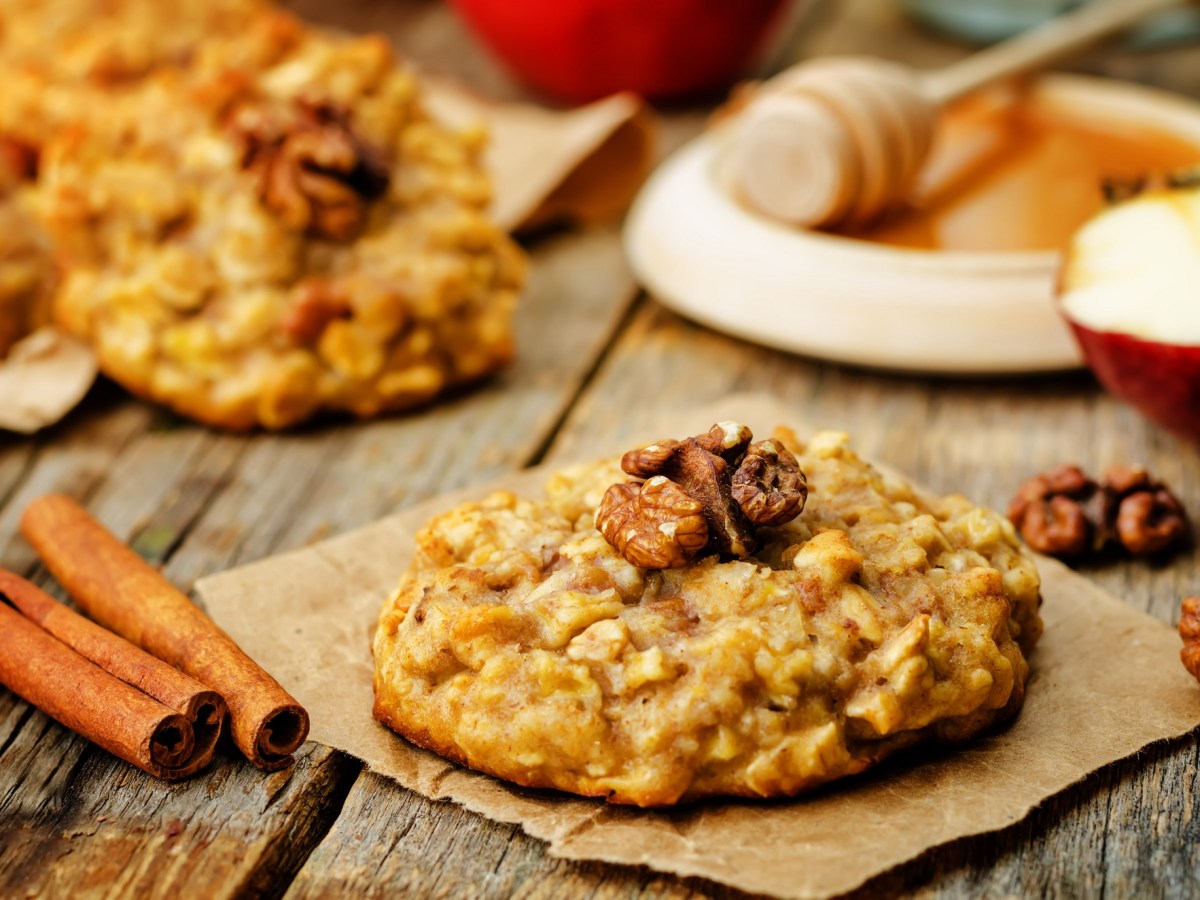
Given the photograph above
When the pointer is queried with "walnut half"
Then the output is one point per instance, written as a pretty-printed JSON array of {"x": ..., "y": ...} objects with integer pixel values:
[
  {"x": 1150, "y": 520},
  {"x": 769, "y": 485},
  {"x": 653, "y": 525},
  {"x": 1062, "y": 513},
  {"x": 311, "y": 168}
]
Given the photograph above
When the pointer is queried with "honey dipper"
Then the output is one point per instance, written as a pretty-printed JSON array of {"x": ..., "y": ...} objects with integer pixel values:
[{"x": 838, "y": 140}]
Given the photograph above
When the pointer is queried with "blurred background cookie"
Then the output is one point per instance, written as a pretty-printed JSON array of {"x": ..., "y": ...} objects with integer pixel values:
[{"x": 277, "y": 230}]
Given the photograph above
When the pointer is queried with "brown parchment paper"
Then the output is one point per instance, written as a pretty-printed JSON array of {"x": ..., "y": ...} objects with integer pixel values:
[
  {"x": 578, "y": 165},
  {"x": 1106, "y": 681}
]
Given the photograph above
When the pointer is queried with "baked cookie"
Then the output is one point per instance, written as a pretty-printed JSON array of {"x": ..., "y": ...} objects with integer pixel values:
[
  {"x": 24, "y": 269},
  {"x": 25, "y": 265},
  {"x": 521, "y": 643},
  {"x": 63, "y": 62},
  {"x": 279, "y": 229}
]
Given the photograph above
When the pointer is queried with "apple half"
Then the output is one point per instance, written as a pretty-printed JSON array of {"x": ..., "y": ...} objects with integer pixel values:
[{"x": 1130, "y": 290}]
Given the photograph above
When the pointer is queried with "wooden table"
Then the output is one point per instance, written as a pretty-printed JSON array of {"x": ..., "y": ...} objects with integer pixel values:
[{"x": 594, "y": 356}]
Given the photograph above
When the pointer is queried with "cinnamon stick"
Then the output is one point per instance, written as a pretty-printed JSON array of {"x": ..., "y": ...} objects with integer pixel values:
[
  {"x": 118, "y": 589},
  {"x": 83, "y": 697},
  {"x": 204, "y": 709}
]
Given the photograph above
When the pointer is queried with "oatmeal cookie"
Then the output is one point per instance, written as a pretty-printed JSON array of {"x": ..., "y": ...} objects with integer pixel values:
[
  {"x": 24, "y": 271},
  {"x": 520, "y": 643},
  {"x": 25, "y": 266},
  {"x": 277, "y": 230}
]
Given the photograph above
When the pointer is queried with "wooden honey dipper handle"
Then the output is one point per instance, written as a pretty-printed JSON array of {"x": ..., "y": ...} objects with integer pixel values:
[
  {"x": 1039, "y": 46},
  {"x": 836, "y": 141}
]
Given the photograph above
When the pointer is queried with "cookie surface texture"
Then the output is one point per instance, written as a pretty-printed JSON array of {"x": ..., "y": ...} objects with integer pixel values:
[
  {"x": 520, "y": 643},
  {"x": 26, "y": 268}
]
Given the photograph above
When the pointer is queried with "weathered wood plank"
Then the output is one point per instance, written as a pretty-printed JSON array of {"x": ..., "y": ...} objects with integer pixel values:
[
  {"x": 122, "y": 836},
  {"x": 391, "y": 842},
  {"x": 83, "y": 450}
]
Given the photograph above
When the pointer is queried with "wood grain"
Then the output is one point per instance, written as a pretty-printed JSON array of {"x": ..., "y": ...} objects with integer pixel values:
[{"x": 75, "y": 822}]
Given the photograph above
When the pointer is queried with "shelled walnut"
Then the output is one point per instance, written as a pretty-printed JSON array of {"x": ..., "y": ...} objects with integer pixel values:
[
  {"x": 655, "y": 525},
  {"x": 704, "y": 492},
  {"x": 310, "y": 167},
  {"x": 1062, "y": 513},
  {"x": 1065, "y": 513},
  {"x": 1149, "y": 518}
]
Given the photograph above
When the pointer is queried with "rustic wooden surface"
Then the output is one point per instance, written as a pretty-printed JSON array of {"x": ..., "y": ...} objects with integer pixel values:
[{"x": 594, "y": 357}]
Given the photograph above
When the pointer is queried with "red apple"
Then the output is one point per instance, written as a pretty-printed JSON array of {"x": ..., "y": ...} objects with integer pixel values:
[
  {"x": 1130, "y": 290},
  {"x": 579, "y": 50}
]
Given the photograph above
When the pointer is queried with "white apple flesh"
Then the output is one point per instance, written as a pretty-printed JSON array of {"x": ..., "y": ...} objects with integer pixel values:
[{"x": 1130, "y": 289}]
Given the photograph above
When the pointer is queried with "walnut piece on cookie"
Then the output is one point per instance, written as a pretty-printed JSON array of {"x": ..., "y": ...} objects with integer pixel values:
[{"x": 521, "y": 643}]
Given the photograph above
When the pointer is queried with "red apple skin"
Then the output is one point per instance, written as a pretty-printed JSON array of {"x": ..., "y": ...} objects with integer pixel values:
[
  {"x": 1161, "y": 380},
  {"x": 580, "y": 50}
]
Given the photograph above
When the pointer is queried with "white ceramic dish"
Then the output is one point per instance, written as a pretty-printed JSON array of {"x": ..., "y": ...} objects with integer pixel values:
[{"x": 706, "y": 256}]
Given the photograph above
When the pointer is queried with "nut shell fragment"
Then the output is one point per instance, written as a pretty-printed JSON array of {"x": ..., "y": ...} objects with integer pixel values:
[{"x": 769, "y": 486}]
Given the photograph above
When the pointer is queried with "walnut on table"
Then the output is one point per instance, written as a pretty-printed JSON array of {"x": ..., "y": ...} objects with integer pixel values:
[
  {"x": 1149, "y": 519},
  {"x": 1061, "y": 513}
]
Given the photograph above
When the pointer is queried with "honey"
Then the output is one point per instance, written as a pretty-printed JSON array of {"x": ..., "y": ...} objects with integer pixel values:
[{"x": 1012, "y": 174}]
